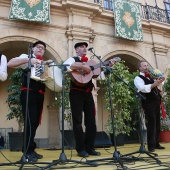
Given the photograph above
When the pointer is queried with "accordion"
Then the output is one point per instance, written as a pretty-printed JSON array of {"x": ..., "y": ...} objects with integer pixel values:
[{"x": 50, "y": 76}]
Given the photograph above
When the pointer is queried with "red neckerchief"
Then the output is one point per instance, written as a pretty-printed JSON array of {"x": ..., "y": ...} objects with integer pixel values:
[
  {"x": 147, "y": 75},
  {"x": 39, "y": 57}
]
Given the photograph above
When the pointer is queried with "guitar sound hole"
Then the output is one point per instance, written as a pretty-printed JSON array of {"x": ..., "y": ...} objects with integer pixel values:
[{"x": 92, "y": 68}]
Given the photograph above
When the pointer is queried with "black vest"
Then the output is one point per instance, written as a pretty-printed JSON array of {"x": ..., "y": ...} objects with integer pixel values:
[
  {"x": 34, "y": 85},
  {"x": 154, "y": 94},
  {"x": 89, "y": 85}
]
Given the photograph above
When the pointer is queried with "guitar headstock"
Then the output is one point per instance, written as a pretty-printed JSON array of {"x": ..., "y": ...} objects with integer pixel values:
[{"x": 116, "y": 59}]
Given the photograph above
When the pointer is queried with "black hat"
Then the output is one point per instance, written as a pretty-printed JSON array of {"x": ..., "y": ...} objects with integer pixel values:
[
  {"x": 80, "y": 44},
  {"x": 39, "y": 42}
]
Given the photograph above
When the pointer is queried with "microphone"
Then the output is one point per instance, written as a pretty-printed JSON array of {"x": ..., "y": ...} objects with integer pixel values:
[
  {"x": 90, "y": 49},
  {"x": 30, "y": 45}
]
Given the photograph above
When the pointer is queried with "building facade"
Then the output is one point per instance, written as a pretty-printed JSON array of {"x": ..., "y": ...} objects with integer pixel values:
[{"x": 82, "y": 20}]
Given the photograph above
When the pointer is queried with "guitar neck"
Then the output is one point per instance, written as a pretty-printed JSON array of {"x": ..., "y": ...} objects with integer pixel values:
[{"x": 100, "y": 64}]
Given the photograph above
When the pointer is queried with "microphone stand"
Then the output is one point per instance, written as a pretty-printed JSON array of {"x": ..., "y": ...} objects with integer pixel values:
[
  {"x": 63, "y": 158},
  {"x": 24, "y": 159},
  {"x": 142, "y": 149},
  {"x": 117, "y": 156},
  {"x": 28, "y": 70}
]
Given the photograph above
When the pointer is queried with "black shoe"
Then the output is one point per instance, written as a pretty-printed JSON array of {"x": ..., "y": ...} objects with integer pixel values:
[
  {"x": 93, "y": 152},
  {"x": 159, "y": 147},
  {"x": 38, "y": 156},
  {"x": 83, "y": 154},
  {"x": 31, "y": 158},
  {"x": 151, "y": 149}
]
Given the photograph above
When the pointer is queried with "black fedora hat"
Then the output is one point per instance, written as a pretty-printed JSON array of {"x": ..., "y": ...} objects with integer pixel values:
[
  {"x": 80, "y": 44},
  {"x": 39, "y": 42}
]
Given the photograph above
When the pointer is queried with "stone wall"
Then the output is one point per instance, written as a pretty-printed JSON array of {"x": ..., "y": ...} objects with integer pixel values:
[{"x": 73, "y": 21}]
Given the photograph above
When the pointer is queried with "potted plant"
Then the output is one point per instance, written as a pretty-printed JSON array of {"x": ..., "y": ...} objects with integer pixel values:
[
  {"x": 165, "y": 122},
  {"x": 165, "y": 130},
  {"x": 15, "y": 110},
  {"x": 121, "y": 97}
]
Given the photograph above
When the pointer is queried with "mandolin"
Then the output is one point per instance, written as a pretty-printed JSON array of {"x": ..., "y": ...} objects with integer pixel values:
[{"x": 80, "y": 78}]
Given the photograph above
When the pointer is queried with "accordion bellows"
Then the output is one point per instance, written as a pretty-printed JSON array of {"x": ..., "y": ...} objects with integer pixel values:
[{"x": 51, "y": 76}]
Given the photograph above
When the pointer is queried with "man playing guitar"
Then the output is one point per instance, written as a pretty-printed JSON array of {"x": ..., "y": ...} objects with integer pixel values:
[{"x": 81, "y": 100}]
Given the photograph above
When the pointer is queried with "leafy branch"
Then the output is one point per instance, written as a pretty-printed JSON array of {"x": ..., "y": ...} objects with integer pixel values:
[{"x": 13, "y": 100}]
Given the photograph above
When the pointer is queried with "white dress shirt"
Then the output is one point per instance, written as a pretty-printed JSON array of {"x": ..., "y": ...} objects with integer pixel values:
[
  {"x": 3, "y": 68},
  {"x": 24, "y": 66},
  {"x": 140, "y": 84}
]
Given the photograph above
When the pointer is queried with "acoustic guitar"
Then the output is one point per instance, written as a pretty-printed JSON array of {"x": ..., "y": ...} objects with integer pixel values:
[{"x": 80, "y": 78}]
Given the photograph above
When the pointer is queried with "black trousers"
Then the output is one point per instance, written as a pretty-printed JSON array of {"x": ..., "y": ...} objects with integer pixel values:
[
  {"x": 152, "y": 112},
  {"x": 35, "y": 105},
  {"x": 83, "y": 102}
]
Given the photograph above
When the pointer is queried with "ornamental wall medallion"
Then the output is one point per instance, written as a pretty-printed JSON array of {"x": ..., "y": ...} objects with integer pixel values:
[
  {"x": 127, "y": 18},
  {"x": 32, "y": 3}
]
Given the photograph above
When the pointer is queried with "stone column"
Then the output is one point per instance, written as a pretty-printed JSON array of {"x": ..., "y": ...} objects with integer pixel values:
[
  {"x": 161, "y": 58},
  {"x": 159, "y": 48},
  {"x": 79, "y": 28},
  {"x": 54, "y": 135},
  {"x": 95, "y": 93}
]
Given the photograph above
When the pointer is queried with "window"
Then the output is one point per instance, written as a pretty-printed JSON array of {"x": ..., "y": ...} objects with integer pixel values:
[
  {"x": 167, "y": 4},
  {"x": 109, "y": 5},
  {"x": 167, "y": 7}
]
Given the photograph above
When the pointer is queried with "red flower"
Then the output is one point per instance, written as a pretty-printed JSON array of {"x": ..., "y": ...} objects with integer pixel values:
[{"x": 84, "y": 59}]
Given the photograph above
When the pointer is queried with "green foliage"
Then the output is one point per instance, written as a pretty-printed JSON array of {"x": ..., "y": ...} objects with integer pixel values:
[
  {"x": 165, "y": 122},
  {"x": 122, "y": 99},
  {"x": 134, "y": 103},
  {"x": 66, "y": 94},
  {"x": 13, "y": 100}
]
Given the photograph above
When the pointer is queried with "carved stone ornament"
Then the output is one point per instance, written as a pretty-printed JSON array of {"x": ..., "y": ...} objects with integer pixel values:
[
  {"x": 127, "y": 18},
  {"x": 32, "y": 3}
]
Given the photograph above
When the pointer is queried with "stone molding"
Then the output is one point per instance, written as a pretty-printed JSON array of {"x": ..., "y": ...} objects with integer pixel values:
[
  {"x": 130, "y": 53},
  {"x": 80, "y": 33},
  {"x": 160, "y": 50},
  {"x": 30, "y": 39}
]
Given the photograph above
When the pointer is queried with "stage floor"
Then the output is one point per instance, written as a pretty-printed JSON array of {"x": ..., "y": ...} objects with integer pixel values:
[{"x": 134, "y": 162}]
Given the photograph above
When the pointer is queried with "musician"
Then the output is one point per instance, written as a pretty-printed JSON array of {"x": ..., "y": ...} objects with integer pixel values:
[
  {"x": 35, "y": 99},
  {"x": 148, "y": 87},
  {"x": 81, "y": 100},
  {"x": 3, "y": 67}
]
